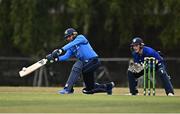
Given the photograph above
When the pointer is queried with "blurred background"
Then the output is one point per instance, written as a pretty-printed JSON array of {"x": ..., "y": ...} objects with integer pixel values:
[{"x": 30, "y": 29}]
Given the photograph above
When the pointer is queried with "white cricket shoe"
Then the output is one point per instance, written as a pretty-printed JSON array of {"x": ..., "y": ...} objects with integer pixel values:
[{"x": 170, "y": 94}]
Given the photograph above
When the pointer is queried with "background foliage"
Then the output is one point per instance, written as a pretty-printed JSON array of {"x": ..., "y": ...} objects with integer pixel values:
[{"x": 36, "y": 27}]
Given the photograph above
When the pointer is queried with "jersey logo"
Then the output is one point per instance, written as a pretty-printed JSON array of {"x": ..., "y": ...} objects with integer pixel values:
[{"x": 77, "y": 47}]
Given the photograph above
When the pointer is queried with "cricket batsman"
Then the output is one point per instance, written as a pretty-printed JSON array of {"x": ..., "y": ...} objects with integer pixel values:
[
  {"x": 86, "y": 64},
  {"x": 135, "y": 70}
]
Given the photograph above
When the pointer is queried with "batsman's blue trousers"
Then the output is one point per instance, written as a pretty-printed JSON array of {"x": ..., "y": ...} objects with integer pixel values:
[{"x": 87, "y": 68}]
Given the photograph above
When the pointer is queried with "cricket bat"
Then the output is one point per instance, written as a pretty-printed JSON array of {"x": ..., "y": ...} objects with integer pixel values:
[{"x": 25, "y": 71}]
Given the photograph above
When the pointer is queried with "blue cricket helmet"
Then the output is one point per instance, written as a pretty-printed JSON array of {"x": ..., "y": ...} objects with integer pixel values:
[
  {"x": 137, "y": 41},
  {"x": 70, "y": 31}
]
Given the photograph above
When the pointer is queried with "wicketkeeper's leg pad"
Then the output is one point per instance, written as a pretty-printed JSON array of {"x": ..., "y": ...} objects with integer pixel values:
[
  {"x": 132, "y": 82},
  {"x": 165, "y": 78}
]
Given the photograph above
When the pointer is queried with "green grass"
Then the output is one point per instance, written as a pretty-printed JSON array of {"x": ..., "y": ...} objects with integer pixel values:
[{"x": 23, "y": 100}]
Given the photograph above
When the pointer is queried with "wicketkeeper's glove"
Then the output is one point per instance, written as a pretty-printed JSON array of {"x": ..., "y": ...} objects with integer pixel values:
[{"x": 135, "y": 67}]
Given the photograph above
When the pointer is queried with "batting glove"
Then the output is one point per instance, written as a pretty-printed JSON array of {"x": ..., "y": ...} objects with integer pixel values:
[
  {"x": 56, "y": 53},
  {"x": 51, "y": 59}
]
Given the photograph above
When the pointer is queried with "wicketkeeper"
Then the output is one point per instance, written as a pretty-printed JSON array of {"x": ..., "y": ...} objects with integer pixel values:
[
  {"x": 136, "y": 69},
  {"x": 86, "y": 64}
]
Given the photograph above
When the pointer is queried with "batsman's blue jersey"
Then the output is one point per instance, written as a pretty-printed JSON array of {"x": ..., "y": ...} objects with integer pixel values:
[
  {"x": 79, "y": 48},
  {"x": 147, "y": 52}
]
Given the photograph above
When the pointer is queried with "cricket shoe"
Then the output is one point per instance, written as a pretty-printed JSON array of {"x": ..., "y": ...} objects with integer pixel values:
[
  {"x": 170, "y": 94},
  {"x": 66, "y": 91},
  {"x": 100, "y": 88},
  {"x": 109, "y": 88}
]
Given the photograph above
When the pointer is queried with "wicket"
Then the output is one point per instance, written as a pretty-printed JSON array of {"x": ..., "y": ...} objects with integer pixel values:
[{"x": 149, "y": 70}]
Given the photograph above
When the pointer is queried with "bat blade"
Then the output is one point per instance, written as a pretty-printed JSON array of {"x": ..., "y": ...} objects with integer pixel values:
[{"x": 25, "y": 71}]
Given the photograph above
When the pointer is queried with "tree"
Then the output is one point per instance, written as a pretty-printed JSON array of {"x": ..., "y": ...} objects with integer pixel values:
[
  {"x": 36, "y": 27},
  {"x": 5, "y": 28}
]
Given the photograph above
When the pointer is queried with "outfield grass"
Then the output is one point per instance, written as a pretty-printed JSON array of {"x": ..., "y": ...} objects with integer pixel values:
[{"x": 23, "y": 100}]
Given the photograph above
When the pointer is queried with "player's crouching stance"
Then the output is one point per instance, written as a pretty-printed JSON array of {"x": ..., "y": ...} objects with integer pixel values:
[
  {"x": 135, "y": 70},
  {"x": 87, "y": 62}
]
